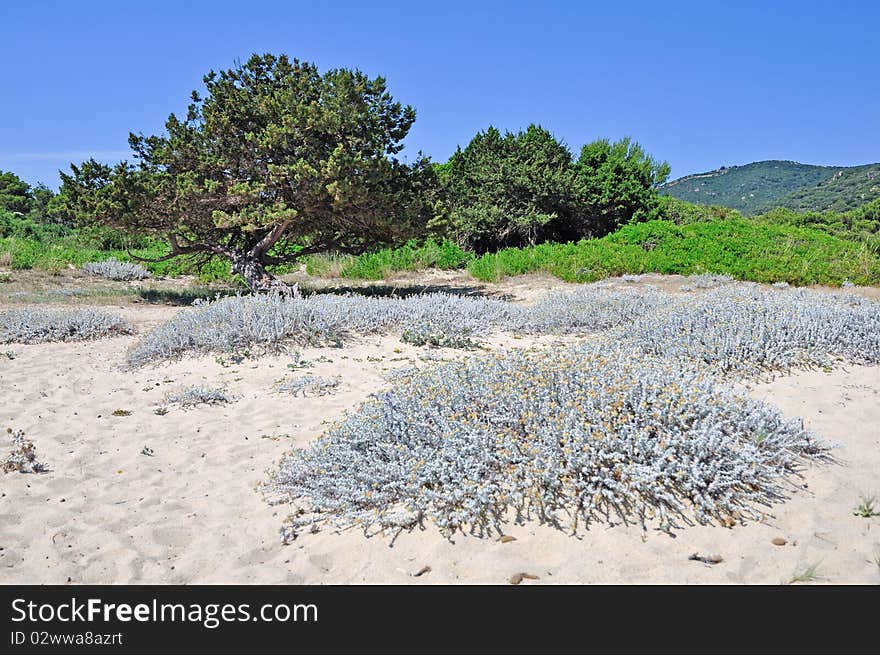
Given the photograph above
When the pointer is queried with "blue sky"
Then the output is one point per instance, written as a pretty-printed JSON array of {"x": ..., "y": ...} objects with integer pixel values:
[{"x": 699, "y": 84}]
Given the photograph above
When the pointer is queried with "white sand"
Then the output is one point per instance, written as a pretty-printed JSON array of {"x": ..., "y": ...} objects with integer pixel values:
[{"x": 106, "y": 513}]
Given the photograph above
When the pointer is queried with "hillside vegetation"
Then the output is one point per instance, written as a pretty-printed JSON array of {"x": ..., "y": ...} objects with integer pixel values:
[
  {"x": 761, "y": 186},
  {"x": 846, "y": 189}
]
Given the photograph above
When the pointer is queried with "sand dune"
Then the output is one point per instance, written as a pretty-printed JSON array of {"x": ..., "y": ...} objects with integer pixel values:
[{"x": 190, "y": 513}]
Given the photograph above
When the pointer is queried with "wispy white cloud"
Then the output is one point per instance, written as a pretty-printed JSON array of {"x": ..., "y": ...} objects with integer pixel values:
[{"x": 73, "y": 155}]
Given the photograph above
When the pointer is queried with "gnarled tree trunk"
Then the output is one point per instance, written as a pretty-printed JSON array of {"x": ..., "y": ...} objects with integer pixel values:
[{"x": 258, "y": 279}]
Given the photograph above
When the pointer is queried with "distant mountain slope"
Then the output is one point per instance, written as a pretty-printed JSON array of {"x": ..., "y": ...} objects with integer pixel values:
[
  {"x": 846, "y": 189},
  {"x": 762, "y": 185}
]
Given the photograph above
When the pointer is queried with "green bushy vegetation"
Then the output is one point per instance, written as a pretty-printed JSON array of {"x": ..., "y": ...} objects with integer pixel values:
[
  {"x": 28, "y": 244},
  {"x": 798, "y": 248},
  {"x": 274, "y": 161},
  {"x": 413, "y": 256},
  {"x": 779, "y": 246},
  {"x": 525, "y": 188},
  {"x": 861, "y": 224},
  {"x": 748, "y": 250}
]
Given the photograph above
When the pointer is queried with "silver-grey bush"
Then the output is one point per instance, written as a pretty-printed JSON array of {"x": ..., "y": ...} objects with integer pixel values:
[
  {"x": 39, "y": 325},
  {"x": 564, "y": 437},
  {"x": 748, "y": 330},
  {"x": 113, "y": 269}
]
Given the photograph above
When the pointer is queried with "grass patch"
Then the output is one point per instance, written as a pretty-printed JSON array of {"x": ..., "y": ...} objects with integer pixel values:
[
  {"x": 378, "y": 265},
  {"x": 809, "y": 573}
]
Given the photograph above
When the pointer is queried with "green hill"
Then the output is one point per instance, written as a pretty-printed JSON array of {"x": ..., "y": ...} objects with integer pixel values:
[
  {"x": 761, "y": 186},
  {"x": 846, "y": 189}
]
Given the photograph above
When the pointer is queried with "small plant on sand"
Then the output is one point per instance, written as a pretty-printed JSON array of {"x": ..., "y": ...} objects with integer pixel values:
[
  {"x": 866, "y": 509},
  {"x": 426, "y": 336},
  {"x": 38, "y": 325},
  {"x": 5, "y": 278},
  {"x": 112, "y": 269},
  {"x": 189, "y": 397},
  {"x": 809, "y": 573},
  {"x": 309, "y": 385},
  {"x": 232, "y": 359},
  {"x": 706, "y": 281},
  {"x": 299, "y": 362},
  {"x": 23, "y": 456}
]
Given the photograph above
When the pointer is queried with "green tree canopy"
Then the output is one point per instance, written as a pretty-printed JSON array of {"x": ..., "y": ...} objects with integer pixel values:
[
  {"x": 617, "y": 184},
  {"x": 15, "y": 193},
  {"x": 507, "y": 190},
  {"x": 276, "y": 161},
  {"x": 522, "y": 188}
]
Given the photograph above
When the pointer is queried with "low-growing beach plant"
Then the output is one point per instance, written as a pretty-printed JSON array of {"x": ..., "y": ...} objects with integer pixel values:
[
  {"x": 749, "y": 331},
  {"x": 113, "y": 269},
  {"x": 269, "y": 322},
  {"x": 313, "y": 385},
  {"x": 299, "y": 362},
  {"x": 566, "y": 437},
  {"x": 23, "y": 456},
  {"x": 38, "y": 325},
  {"x": 586, "y": 308},
  {"x": 706, "y": 281},
  {"x": 866, "y": 509},
  {"x": 428, "y": 335},
  {"x": 808, "y": 573},
  {"x": 189, "y": 397},
  {"x": 740, "y": 328}
]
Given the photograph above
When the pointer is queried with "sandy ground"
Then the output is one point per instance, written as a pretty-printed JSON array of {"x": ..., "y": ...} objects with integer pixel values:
[{"x": 190, "y": 513}]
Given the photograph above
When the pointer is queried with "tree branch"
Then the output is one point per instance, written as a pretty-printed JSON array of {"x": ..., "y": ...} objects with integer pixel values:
[
  {"x": 292, "y": 257},
  {"x": 270, "y": 239},
  {"x": 176, "y": 250}
]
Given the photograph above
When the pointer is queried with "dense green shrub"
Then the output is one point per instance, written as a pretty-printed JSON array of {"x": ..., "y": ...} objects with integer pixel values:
[
  {"x": 15, "y": 193},
  {"x": 525, "y": 188},
  {"x": 746, "y": 249},
  {"x": 13, "y": 225},
  {"x": 616, "y": 184},
  {"x": 509, "y": 190}
]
